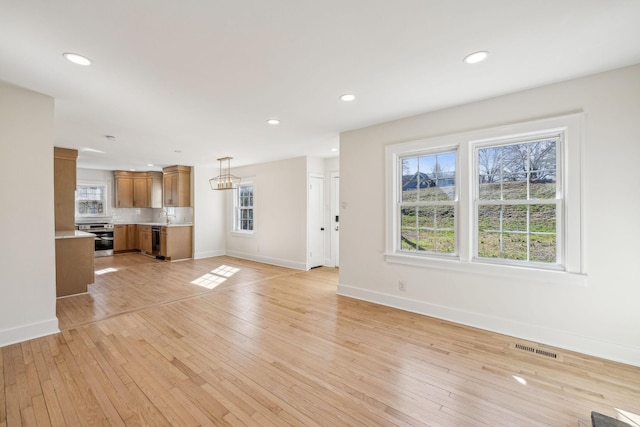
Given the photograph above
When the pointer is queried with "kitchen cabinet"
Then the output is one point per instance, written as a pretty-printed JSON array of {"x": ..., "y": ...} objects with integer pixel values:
[
  {"x": 120, "y": 238},
  {"x": 74, "y": 264},
  {"x": 138, "y": 189},
  {"x": 124, "y": 189},
  {"x": 132, "y": 237},
  {"x": 140, "y": 197},
  {"x": 144, "y": 238},
  {"x": 176, "y": 242},
  {"x": 154, "y": 189},
  {"x": 64, "y": 185},
  {"x": 125, "y": 237},
  {"x": 177, "y": 186}
]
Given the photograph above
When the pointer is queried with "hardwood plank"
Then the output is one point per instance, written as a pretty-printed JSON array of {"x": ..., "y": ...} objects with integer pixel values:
[{"x": 270, "y": 346}]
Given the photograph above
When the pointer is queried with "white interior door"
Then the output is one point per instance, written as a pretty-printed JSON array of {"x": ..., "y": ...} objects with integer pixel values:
[
  {"x": 335, "y": 219},
  {"x": 316, "y": 222}
]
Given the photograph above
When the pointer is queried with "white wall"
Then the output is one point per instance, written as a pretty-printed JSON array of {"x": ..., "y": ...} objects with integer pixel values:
[
  {"x": 27, "y": 253},
  {"x": 601, "y": 318},
  {"x": 209, "y": 212},
  {"x": 280, "y": 214}
]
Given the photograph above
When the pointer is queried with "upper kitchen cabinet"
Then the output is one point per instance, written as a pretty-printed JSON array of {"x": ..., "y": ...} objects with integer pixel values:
[
  {"x": 138, "y": 189},
  {"x": 64, "y": 183},
  {"x": 177, "y": 186}
]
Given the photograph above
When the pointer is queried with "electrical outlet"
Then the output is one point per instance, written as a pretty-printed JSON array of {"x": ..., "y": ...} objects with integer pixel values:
[{"x": 402, "y": 285}]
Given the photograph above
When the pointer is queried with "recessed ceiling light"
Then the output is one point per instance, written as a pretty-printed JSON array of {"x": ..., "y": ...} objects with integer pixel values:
[
  {"x": 334, "y": 149},
  {"x": 475, "y": 57},
  {"x": 273, "y": 121},
  {"x": 77, "y": 59},
  {"x": 348, "y": 97},
  {"x": 132, "y": 170},
  {"x": 150, "y": 165}
]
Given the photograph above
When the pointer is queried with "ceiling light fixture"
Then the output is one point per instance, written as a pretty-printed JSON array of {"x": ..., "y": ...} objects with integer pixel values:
[
  {"x": 224, "y": 181},
  {"x": 77, "y": 59},
  {"x": 273, "y": 121},
  {"x": 348, "y": 97},
  {"x": 150, "y": 165},
  {"x": 334, "y": 149},
  {"x": 475, "y": 57}
]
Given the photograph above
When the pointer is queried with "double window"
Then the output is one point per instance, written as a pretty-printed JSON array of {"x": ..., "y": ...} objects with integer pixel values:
[
  {"x": 498, "y": 196},
  {"x": 244, "y": 208}
]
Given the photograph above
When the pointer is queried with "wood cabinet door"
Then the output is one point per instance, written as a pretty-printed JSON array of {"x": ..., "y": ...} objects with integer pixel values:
[
  {"x": 140, "y": 196},
  {"x": 164, "y": 250},
  {"x": 171, "y": 189},
  {"x": 124, "y": 192},
  {"x": 120, "y": 237},
  {"x": 132, "y": 236}
]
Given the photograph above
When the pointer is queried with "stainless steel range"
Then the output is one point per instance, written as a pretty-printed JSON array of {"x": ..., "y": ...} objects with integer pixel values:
[{"x": 103, "y": 239}]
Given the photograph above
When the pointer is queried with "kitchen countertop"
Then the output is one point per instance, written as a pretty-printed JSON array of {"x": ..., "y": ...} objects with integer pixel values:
[
  {"x": 163, "y": 224},
  {"x": 73, "y": 234}
]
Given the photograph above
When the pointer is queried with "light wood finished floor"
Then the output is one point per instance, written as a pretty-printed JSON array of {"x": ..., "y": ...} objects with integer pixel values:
[{"x": 270, "y": 346}]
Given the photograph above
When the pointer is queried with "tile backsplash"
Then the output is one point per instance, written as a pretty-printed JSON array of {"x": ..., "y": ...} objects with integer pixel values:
[{"x": 137, "y": 215}]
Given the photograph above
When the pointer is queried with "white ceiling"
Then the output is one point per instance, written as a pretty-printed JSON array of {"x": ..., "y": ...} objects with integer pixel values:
[{"x": 203, "y": 76}]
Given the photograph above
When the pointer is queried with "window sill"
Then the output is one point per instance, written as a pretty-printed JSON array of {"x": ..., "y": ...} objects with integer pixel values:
[
  {"x": 237, "y": 233},
  {"x": 516, "y": 273}
]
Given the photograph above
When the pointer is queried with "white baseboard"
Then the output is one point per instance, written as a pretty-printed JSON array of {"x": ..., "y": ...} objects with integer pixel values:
[
  {"x": 556, "y": 338},
  {"x": 268, "y": 260},
  {"x": 28, "y": 332},
  {"x": 208, "y": 254}
]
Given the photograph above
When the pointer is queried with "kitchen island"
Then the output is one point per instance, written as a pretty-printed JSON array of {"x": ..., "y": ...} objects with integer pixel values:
[{"x": 74, "y": 262}]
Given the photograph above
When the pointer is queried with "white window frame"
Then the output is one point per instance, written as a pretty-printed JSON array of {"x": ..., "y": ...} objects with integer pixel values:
[
  {"x": 237, "y": 209},
  {"x": 572, "y": 270},
  {"x": 107, "y": 198},
  {"x": 400, "y": 204},
  {"x": 558, "y": 201}
]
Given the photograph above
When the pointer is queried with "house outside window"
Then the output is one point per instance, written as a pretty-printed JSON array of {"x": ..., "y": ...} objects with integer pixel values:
[
  {"x": 490, "y": 201},
  {"x": 244, "y": 208}
]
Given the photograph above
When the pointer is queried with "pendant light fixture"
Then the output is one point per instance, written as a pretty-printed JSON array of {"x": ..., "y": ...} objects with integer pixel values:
[{"x": 224, "y": 181}]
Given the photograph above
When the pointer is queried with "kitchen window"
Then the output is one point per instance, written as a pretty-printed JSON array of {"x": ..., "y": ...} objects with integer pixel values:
[
  {"x": 92, "y": 200},
  {"x": 244, "y": 208},
  {"x": 490, "y": 201}
]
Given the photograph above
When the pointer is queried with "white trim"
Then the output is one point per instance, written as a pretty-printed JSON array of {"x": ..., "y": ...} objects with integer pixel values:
[
  {"x": 530, "y": 332},
  {"x": 209, "y": 254},
  {"x": 28, "y": 332},
  {"x": 570, "y": 125},
  {"x": 268, "y": 260}
]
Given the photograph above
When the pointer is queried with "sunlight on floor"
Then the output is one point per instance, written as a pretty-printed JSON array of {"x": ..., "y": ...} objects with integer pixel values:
[
  {"x": 106, "y": 270},
  {"x": 215, "y": 277}
]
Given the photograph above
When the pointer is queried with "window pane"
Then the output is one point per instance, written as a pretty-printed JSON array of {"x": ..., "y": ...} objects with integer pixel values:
[
  {"x": 426, "y": 241},
  {"x": 514, "y": 246},
  {"x": 543, "y": 248},
  {"x": 409, "y": 239},
  {"x": 489, "y": 245},
  {"x": 542, "y": 219},
  {"x": 445, "y": 217},
  {"x": 489, "y": 218},
  {"x": 410, "y": 179},
  {"x": 445, "y": 241},
  {"x": 514, "y": 218},
  {"x": 514, "y": 186},
  {"x": 408, "y": 217},
  {"x": 542, "y": 185},
  {"x": 426, "y": 216}
]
